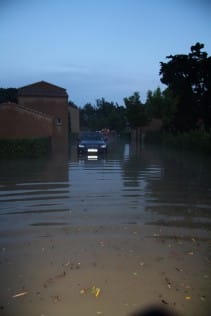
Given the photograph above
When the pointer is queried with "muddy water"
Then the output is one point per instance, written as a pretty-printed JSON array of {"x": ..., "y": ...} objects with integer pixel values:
[{"x": 106, "y": 235}]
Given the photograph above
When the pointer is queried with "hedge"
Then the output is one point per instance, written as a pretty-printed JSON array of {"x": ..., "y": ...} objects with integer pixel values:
[
  {"x": 193, "y": 140},
  {"x": 27, "y": 147}
]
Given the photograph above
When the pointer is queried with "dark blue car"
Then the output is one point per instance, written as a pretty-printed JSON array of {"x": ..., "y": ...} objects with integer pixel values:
[{"x": 91, "y": 143}]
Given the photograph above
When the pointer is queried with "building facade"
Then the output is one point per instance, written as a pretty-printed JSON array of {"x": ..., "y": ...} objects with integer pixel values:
[
  {"x": 74, "y": 119},
  {"x": 42, "y": 111},
  {"x": 17, "y": 121}
]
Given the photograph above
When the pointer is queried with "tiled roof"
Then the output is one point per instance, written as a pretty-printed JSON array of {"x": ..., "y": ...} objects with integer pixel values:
[{"x": 42, "y": 89}]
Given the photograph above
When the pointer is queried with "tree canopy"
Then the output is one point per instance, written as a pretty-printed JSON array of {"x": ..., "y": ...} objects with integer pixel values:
[
  {"x": 8, "y": 95},
  {"x": 135, "y": 111},
  {"x": 102, "y": 115},
  {"x": 189, "y": 79},
  {"x": 161, "y": 105}
]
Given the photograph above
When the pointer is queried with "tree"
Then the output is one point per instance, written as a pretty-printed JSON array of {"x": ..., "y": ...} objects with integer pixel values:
[
  {"x": 135, "y": 113},
  {"x": 8, "y": 95},
  {"x": 103, "y": 115},
  {"x": 154, "y": 103},
  {"x": 161, "y": 105},
  {"x": 88, "y": 117},
  {"x": 189, "y": 79},
  {"x": 111, "y": 115}
]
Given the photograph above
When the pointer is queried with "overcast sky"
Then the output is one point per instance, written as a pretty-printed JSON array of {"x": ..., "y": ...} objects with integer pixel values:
[{"x": 97, "y": 48}]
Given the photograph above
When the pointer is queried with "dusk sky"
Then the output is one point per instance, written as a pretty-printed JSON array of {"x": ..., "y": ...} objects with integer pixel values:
[{"x": 96, "y": 48}]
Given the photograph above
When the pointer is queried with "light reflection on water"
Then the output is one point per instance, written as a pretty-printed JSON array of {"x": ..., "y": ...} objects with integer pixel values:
[{"x": 131, "y": 184}]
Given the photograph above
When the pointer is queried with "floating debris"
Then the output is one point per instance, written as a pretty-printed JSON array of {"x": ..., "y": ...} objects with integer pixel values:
[
  {"x": 168, "y": 283},
  {"x": 56, "y": 299},
  {"x": 96, "y": 291},
  {"x": 93, "y": 290},
  {"x": 20, "y": 294},
  {"x": 191, "y": 253},
  {"x": 179, "y": 269},
  {"x": 82, "y": 291}
]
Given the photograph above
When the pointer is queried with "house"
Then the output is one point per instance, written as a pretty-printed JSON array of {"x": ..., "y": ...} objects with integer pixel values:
[
  {"x": 42, "y": 111},
  {"x": 74, "y": 119},
  {"x": 17, "y": 121}
]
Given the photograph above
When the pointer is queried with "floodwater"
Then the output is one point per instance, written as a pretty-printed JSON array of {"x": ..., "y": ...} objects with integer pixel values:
[{"x": 106, "y": 235}]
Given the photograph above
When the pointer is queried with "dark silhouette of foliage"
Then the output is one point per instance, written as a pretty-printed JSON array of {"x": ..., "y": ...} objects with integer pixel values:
[
  {"x": 8, "y": 95},
  {"x": 24, "y": 147},
  {"x": 103, "y": 115},
  {"x": 189, "y": 79},
  {"x": 135, "y": 111},
  {"x": 162, "y": 105}
]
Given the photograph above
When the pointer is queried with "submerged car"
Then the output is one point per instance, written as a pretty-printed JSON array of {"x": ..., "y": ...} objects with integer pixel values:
[{"x": 91, "y": 143}]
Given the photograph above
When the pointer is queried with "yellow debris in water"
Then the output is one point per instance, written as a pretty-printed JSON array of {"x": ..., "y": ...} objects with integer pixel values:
[{"x": 96, "y": 291}]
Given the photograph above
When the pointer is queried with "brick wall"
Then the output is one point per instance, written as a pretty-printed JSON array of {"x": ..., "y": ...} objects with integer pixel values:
[
  {"x": 55, "y": 106},
  {"x": 74, "y": 119},
  {"x": 19, "y": 122}
]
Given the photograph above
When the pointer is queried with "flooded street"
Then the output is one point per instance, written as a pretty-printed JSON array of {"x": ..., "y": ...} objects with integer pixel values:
[{"x": 106, "y": 235}]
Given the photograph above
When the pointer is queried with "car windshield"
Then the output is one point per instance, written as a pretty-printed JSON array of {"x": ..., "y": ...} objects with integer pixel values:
[{"x": 91, "y": 136}]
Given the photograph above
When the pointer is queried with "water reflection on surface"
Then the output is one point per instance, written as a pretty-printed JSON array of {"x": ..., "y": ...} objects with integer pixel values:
[{"x": 143, "y": 185}]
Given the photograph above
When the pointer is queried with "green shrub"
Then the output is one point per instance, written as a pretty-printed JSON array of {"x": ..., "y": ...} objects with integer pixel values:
[
  {"x": 27, "y": 147},
  {"x": 193, "y": 140}
]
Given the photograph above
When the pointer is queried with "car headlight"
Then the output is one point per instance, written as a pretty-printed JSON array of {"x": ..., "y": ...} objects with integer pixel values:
[
  {"x": 81, "y": 146},
  {"x": 103, "y": 146}
]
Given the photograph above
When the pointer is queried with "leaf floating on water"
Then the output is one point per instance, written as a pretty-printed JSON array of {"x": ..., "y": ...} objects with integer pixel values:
[
  {"x": 20, "y": 294},
  {"x": 93, "y": 290},
  {"x": 96, "y": 291},
  {"x": 164, "y": 302}
]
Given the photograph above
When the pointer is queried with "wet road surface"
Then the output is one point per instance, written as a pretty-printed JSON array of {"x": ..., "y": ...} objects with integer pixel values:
[
  {"x": 137, "y": 216},
  {"x": 146, "y": 185}
]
